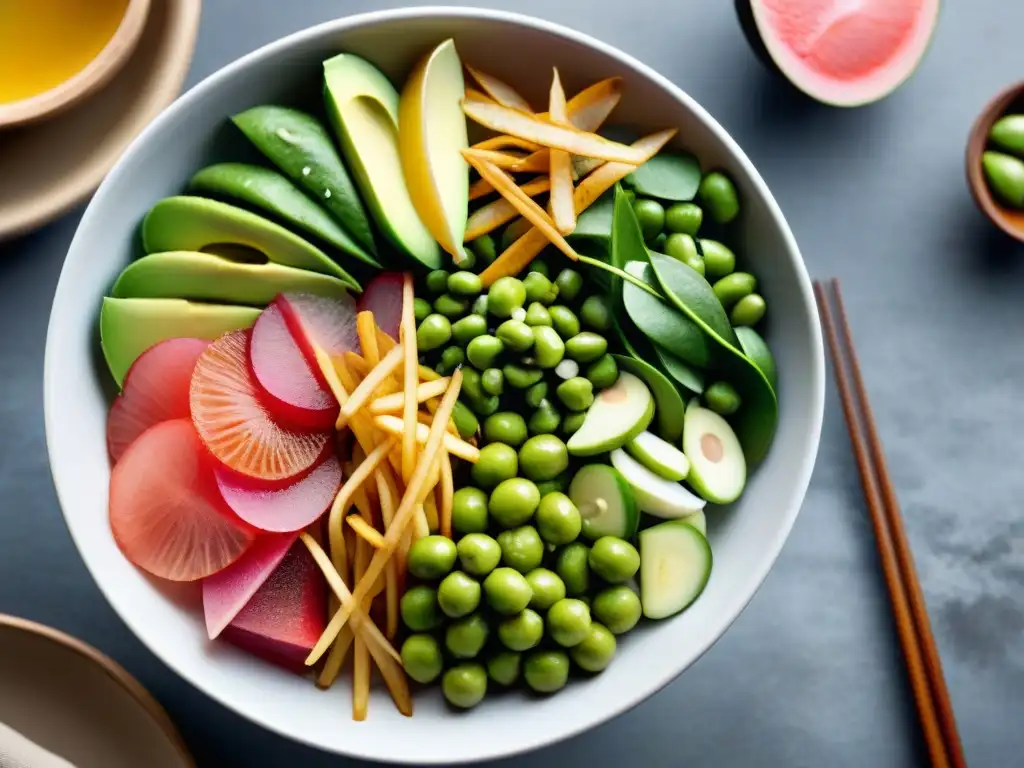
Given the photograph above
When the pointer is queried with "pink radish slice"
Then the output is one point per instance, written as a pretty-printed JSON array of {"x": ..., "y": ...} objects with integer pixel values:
[
  {"x": 383, "y": 297},
  {"x": 155, "y": 389},
  {"x": 226, "y": 593},
  {"x": 290, "y": 388},
  {"x": 329, "y": 323},
  {"x": 279, "y": 510}
]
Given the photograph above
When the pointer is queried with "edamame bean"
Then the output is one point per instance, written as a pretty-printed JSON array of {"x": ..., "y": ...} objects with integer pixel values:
[
  {"x": 719, "y": 261},
  {"x": 515, "y": 334},
  {"x": 536, "y": 394},
  {"x": 506, "y": 295},
  {"x": 537, "y": 314},
  {"x": 543, "y": 457},
  {"x": 569, "y": 283},
  {"x": 749, "y": 310},
  {"x": 503, "y": 667},
  {"x": 603, "y": 372},
  {"x": 554, "y": 485},
  {"x": 465, "y": 637},
  {"x": 451, "y": 358},
  {"x": 722, "y": 397},
  {"x": 431, "y": 557},
  {"x": 484, "y": 351},
  {"x": 650, "y": 214},
  {"x": 734, "y": 287},
  {"x": 545, "y": 419},
  {"x": 420, "y": 610},
  {"x": 505, "y": 427},
  {"x": 433, "y": 333},
  {"x": 522, "y": 631},
  {"x": 493, "y": 381},
  {"x": 558, "y": 521},
  {"x": 479, "y": 554},
  {"x": 546, "y": 671},
  {"x": 564, "y": 321},
  {"x": 521, "y": 377},
  {"x": 469, "y": 509},
  {"x": 572, "y": 422},
  {"x": 682, "y": 247},
  {"x": 514, "y": 231},
  {"x": 596, "y": 650},
  {"x": 507, "y": 591},
  {"x": 540, "y": 265},
  {"x": 568, "y": 622},
  {"x": 613, "y": 559},
  {"x": 718, "y": 196},
  {"x": 421, "y": 308},
  {"x": 437, "y": 281},
  {"x": 513, "y": 502},
  {"x": 465, "y": 685},
  {"x": 596, "y": 312},
  {"x": 468, "y": 262},
  {"x": 480, "y": 305},
  {"x": 586, "y": 347},
  {"x": 497, "y": 463},
  {"x": 464, "y": 284},
  {"x": 485, "y": 249},
  {"x": 576, "y": 394},
  {"x": 472, "y": 386},
  {"x": 465, "y": 420},
  {"x": 458, "y": 595},
  {"x": 421, "y": 658},
  {"x": 450, "y": 306},
  {"x": 618, "y": 608},
  {"x": 684, "y": 218},
  {"x": 548, "y": 347},
  {"x": 573, "y": 567},
  {"x": 539, "y": 288},
  {"x": 468, "y": 328},
  {"x": 521, "y": 548},
  {"x": 547, "y": 588}
]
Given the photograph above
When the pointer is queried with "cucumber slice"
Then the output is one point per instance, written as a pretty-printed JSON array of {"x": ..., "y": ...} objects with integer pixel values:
[
  {"x": 675, "y": 565},
  {"x": 718, "y": 469},
  {"x": 655, "y": 495},
  {"x": 698, "y": 520},
  {"x": 605, "y": 502},
  {"x": 659, "y": 456}
]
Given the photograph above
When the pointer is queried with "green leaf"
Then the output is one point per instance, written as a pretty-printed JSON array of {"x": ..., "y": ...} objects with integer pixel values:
[
  {"x": 756, "y": 348},
  {"x": 661, "y": 322},
  {"x": 689, "y": 291},
  {"x": 596, "y": 221},
  {"x": 690, "y": 378},
  {"x": 668, "y": 176},
  {"x": 627, "y": 239}
]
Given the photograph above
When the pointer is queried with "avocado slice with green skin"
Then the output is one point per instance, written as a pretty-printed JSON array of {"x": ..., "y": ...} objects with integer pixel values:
[
  {"x": 718, "y": 469},
  {"x": 208, "y": 277},
  {"x": 362, "y": 105},
  {"x": 617, "y": 415},
  {"x": 128, "y": 327},
  {"x": 186, "y": 223},
  {"x": 659, "y": 456},
  {"x": 654, "y": 494}
]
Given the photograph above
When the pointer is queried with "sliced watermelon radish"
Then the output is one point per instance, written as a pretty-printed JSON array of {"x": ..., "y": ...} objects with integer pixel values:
[
  {"x": 329, "y": 323},
  {"x": 282, "y": 509},
  {"x": 155, "y": 389},
  {"x": 166, "y": 513},
  {"x": 226, "y": 593},
  {"x": 285, "y": 618},
  {"x": 383, "y": 297},
  {"x": 236, "y": 427},
  {"x": 289, "y": 384}
]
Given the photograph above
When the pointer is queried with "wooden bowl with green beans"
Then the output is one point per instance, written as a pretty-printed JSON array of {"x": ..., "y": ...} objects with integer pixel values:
[{"x": 995, "y": 161}]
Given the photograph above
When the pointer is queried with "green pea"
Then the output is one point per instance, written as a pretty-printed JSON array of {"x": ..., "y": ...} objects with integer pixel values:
[
  {"x": 421, "y": 308},
  {"x": 564, "y": 321},
  {"x": 576, "y": 394},
  {"x": 465, "y": 637},
  {"x": 548, "y": 347},
  {"x": 682, "y": 247},
  {"x": 719, "y": 261},
  {"x": 521, "y": 632},
  {"x": 433, "y": 333},
  {"x": 734, "y": 287},
  {"x": 480, "y": 306},
  {"x": 468, "y": 328},
  {"x": 603, "y": 372},
  {"x": 469, "y": 510},
  {"x": 554, "y": 485},
  {"x": 596, "y": 312},
  {"x": 486, "y": 406},
  {"x": 484, "y": 351},
  {"x": 546, "y": 671},
  {"x": 505, "y": 427},
  {"x": 497, "y": 463},
  {"x": 506, "y": 295},
  {"x": 465, "y": 685},
  {"x": 569, "y": 283},
  {"x": 572, "y": 564},
  {"x": 479, "y": 554},
  {"x": 547, "y": 588},
  {"x": 568, "y": 622},
  {"x": 485, "y": 249},
  {"x": 420, "y": 610},
  {"x": 451, "y": 358},
  {"x": 572, "y": 422},
  {"x": 613, "y": 559},
  {"x": 515, "y": 334},
  {"x": 458, "y": 595},
  {"x": 537, "y": 314},
  {"x": 468, "y": 262},
  {"x": 558, "y": 521},
  {"x": 722, "y": 397},
  {"x": 718, "y": 196},
  {"x": 521, "y": 548},
  {"x": 431, "y": 557},
  {"x": 464, "y": 284},
  {"x": 586, "y": 347},
  {"x": 684, "y": 218},
  {"x": 658, "y": 243},
  {"x": 437, "y": 281},
  {"x": 421, "y": 658},
  {"x": 493, "y": 381},
  {"x": 507, "y": 590},
  {"x": 540, "y": 265},
  {"x": 651, "y": 216},
  {"x": 618, "y": 608},
  {"x": 536, "y": 394},
  {"x": 749, "y": 310},
  {"x": 450, "y": 306},
  {"x": 543, "y": 457},
  {"x": 513, "y": 502},
  {"x": 596, "y": 651},
  {"x": 539, "y": 288},
  {"x": 465, "y": 420},
  {"x": 472, "y": 385},
  {"x": 521, "y": 377},
  {"x": 503, "y": 667},
  {"x": 545, "y": 419}
]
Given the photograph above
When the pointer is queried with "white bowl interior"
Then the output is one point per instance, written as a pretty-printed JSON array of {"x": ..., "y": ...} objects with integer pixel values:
[{"x": 746, "y": 539}]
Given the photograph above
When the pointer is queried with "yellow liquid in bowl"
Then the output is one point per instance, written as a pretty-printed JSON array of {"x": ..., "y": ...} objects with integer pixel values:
[{"x": 46, "y": 42}]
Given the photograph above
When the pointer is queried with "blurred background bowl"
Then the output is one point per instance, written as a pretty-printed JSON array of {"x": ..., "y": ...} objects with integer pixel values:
[{"x": 1010, "y": 221}]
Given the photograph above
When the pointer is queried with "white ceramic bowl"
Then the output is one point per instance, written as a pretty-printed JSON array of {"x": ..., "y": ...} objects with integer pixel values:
[{"x": 746, "y": 540}]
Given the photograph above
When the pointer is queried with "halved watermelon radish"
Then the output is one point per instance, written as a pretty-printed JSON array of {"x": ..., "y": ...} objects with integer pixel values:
[
  {"x": 329, "y": 323},
  {"x": 282, "y": 509},
  {"x": 226, "y": 593},
  {"x": 383, "y": 297},
  {"x": 166, "y": 513},
  {"x": 155, "y": 389},
  {"x": 235, "y": 425},
  {"x": 841, "y": 53},
  {"x": 287, "y": 615},
  {"x": 289, "y": 384}
]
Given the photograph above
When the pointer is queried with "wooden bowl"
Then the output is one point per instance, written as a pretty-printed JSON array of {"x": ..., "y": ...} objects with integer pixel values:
[
  {"x": 94, "y": 76},
  {"x": 1007, "y": 219}
]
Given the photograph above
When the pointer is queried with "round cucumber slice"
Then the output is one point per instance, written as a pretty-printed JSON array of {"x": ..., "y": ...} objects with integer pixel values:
[
  {"x": 659, "y": 456},
  {"x": 655, "y": 495},
  {"x": 605, "y": 502},
  {"x": 675, "y": 565}
]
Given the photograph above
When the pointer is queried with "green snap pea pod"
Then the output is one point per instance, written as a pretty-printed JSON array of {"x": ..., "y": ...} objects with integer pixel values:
[
  {"x": 465, "y": 420},
  {"x": 757, "y": 350},
  {"x": 718, "y": 196},
  {"x": 536, "y": 394},
  {"x": 421, "y": 308},
  {"x": 515, "y": 335},
  {"x": 719, "y": 260},
  {"x": 505, "y": 427},
  {"x": 437, "y": 281},
  {"x": 433, "y": 332},
  {"x": 576, "y": 394},
  {"x": 485, "y": 249},
  {"x": 521, "y": 377},
  {"x": 537, "y": 314},
  {"x": 564, "y": 321},
  {"x": 539, "y": 288},
  {"x": 722, "y": 397},
  {"x": 603, "y": 372},
  {"x": 596, "y": 312},
  {"x": 464, "y": 283},
  {"x": 749, "y": 310},
  {"x": 451, "y": 358},
  {"x": 484, "y": 351},
  {"x": 572, "y": 422},
  {"x": 493, "y": 381},
  {"x": 569, "y": 283},
  {"x": 682, "y": 247},
  {"x": 586, "y": 347},
  {"x": 468, "y": 328},
  {"x": 548, "y": 347},
  {"x": 667, "y": 176},
  {"x": 545, "y": 419},
  {"x": 650, "y": 214},
  {"x": 734, "y": 287},
  {"x": 684, "y": 218},
  {"x": 505, "y": 296}
]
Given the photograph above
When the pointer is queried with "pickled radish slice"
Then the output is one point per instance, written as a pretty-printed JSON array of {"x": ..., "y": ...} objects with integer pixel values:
[
  {"x": 290, "y": 385},
  {"x": 226, "y": 593},
  {"x": 282, "y": 509},
  {"x": 166, "y": 513},
  {"x": 155, "y": 389},
  {"x": 236, "y": 427},
  {"x": 329, "y": 323},
  {"x": 383, "y": 297}
]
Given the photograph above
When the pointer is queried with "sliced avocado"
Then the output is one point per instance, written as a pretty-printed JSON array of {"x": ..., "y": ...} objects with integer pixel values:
[
  {"x": 668, "y": 403},
  {"x": 662, "y": 458},
  {"x": 655, "y": 495},
  {"x": 363, "y": 108},
  {"x": 605, "y": 502},
  {"x": 186, "y": 223},
  {"x": 675, "y": 565},
  {"x": 718, "y": 469},
  {"x": 128, "y": 327},
  {"x": 618, "y": 414},
  {"x": 208, "y": 277}
]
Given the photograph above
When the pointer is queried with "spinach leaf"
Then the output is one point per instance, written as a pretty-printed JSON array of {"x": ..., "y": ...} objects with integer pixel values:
[
  {"x": 692, "y": 294},
  {"x": 667, "y": 175},
  {"x": 756, "y": 348},
  {"x": 661, "y": 322},
  {"x": 690, "y": 378}
]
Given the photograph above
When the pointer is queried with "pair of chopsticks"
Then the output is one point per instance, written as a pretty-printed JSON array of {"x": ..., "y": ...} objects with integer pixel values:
[{"x": 915, "y": 634}]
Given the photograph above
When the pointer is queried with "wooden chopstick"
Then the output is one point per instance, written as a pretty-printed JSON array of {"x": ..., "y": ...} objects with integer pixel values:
[{"x": 923, "y": 665}]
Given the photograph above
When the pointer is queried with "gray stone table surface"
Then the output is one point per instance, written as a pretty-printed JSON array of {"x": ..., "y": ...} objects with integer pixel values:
[{"x": 810, "y": 674}]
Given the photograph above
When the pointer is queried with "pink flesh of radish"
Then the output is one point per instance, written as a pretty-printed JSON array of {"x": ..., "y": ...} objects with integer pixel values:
[
  {"x": 329, "y": 323},
  {"x": 383, "y": 297},
  {"x": 155, "y": 390}
]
